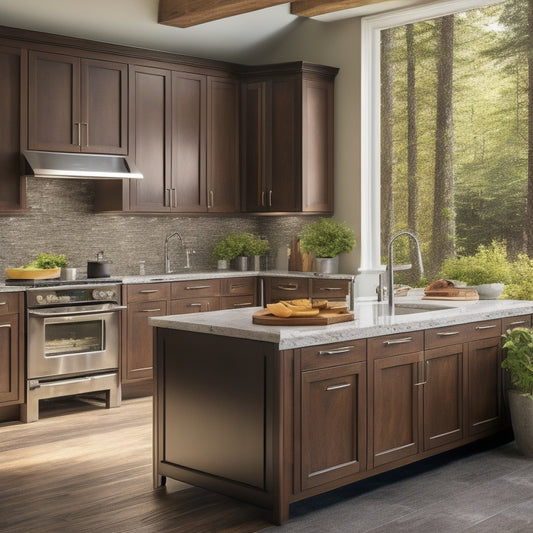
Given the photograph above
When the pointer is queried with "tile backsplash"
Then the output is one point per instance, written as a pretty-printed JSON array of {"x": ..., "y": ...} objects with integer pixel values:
[{"x": 60, "y": 218}]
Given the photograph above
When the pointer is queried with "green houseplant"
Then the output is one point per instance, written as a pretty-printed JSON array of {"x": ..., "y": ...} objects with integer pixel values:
[
  {"x": 239, "y": 246},
  {"x": 326, "y": 239},
  {"x": 518, "y": 344},
  {"x": 487, "y": 270}
]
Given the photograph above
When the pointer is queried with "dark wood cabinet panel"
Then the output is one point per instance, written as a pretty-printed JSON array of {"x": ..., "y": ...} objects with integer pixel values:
[
  {"x": 188, "y": 142},
  {"x": 286, "y": 288},
  {"x": 76, "y": 105},
  {"x": 333, "y": 417},
  {"x": 13, "y": 65},
  {"x": 222, "y": 145},
  {"x": 150, "y": 138},
  {"x": 11, "y": 349},
  {"x": 287, "y": 139}
]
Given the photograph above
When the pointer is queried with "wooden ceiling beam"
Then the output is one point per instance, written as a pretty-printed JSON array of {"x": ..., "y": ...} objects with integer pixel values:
[
  {"x": 185, "y": 13},
  {"x": 313, "y": 8}
]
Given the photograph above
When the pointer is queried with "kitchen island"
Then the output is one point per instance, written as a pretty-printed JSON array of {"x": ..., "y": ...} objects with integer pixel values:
[{"x": 273, "y": 415}]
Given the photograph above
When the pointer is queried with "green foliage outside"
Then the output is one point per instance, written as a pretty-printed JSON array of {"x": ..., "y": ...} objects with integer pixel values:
[
  {"x": 519, "y": 358},
  {"x": 240, "y": 244},
  {"x": 326, "y": 238},
  {"x": 46, "y": 261},
  {"x": 520, "y": 284}
]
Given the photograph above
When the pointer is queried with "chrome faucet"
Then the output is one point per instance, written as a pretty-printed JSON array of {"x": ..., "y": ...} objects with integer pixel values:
[
  {"x": 390, "y": 266},
  {"x": 167, "y": 258}
]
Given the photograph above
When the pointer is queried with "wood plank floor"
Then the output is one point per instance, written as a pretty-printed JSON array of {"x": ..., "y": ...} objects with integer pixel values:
[{"x": 83, "y": 468}]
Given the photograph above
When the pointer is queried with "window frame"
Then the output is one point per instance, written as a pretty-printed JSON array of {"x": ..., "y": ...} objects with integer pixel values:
[{"x": 371, "y": 27}]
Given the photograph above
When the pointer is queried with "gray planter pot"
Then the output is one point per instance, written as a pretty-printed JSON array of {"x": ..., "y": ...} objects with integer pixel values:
[
  {"x": 327, "y": 265},
  {"x": 223, "y": 264},
  {"x": 241, "y": 263},
  {"x": 521, "y": 407}
]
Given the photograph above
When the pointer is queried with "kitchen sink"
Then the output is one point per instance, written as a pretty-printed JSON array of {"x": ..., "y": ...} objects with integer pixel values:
[{"x": 408, "y": 309}]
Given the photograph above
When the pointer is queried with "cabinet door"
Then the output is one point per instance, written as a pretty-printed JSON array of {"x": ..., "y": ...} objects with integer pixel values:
[
  {"x": 396, "y": 399},
  {"x": 195, "y": 305},
  {"x": 484, "y": 385},
  {"x": 150, "y": 130},
  {"x": 333, "y": 423},
  {"x": 138, "y": 356},
  {"x": 104, "y": 120},
  {"x": 222, "y": 145},
  {"x": 317, "y": 145},
  {"x": 54, "y": 102},
  {"x": 10, "y": 368},
  {"x": 285, "y": 289},
  {"x": 188, "y": 142},
  {"x": 443, "y": 396},
  {"x": 12, "y": 73},
  {"x": 285, "y": 174},
  {"x": 254, "y": 149}
]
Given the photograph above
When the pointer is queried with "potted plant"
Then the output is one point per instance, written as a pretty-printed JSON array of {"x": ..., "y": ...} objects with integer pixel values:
[
  {"x": 227, "y": 249},
  {"x": 487, "y": 270},
  {"x": 255, "y": 247},
  {"x": 239, "y": 246},
  {"x": 519, "y": 363},
  {"x": 326, "y": 239}
]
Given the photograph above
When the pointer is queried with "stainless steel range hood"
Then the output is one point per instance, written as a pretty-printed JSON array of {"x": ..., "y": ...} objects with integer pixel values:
[{"x": 79, "y": 166}]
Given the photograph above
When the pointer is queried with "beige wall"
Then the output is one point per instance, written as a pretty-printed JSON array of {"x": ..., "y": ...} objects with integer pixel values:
[{"x": 336, "y": 44}]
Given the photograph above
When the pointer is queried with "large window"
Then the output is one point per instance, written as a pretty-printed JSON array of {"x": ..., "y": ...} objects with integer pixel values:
[{"x": 445, "y": 99}]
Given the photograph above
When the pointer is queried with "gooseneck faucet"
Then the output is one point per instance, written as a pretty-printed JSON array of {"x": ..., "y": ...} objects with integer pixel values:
[
  {"x": 390, "y": 266},
  {"x": 167, "y": 257}
]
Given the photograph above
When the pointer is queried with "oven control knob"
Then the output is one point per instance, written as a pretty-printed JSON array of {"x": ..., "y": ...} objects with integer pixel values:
[
  {"x": 39, "y": 298},
  {"x": 110, "y": 294}
]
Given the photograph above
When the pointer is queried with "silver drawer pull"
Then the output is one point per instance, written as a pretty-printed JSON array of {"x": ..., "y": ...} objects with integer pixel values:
[
  {"x": 194, "y": 287},
  {"x": 149, "y": 291},
  {"x": 290, "y": 287},
  {"x": 485, "y": 327},
  {"x": 403, "y": 340},
  {"x": 330, "y": 288},
  {"x": 447, "y": 333},
  {"x": 150, "y": 310},
  {"x": 236, "y": 286},
  {"x": 5, "y": 325},
  {"x": 340, "y": 386},
  {"x": 3, "y": 303},
  {"x": 344, "y": 349},
  {"x": 244, "y": 304},
  {"x": 194, "y": 305},
  {"x": 517, "y": 323}
]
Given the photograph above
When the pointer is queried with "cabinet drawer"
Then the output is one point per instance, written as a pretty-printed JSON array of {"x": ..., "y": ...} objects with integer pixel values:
[
  {"x": 446, "y": 336},
  {"x": 401, "y": 343},
  {"x": 330, "y": 289},
  {"x": 194, "y": 305},
  {"x": 9, "y": 303},
  {"x": 147, "y": 292},
  {"x": 200, "y": 287},
  {"x": 339, "y": 353},
  {"x": 235, "y": 286},
  {"x": 236, "y": 302},
  {"x": 484, "y": 330},
  {"x": 287, "y": 289},
  {"x": 510, "y": 322}
]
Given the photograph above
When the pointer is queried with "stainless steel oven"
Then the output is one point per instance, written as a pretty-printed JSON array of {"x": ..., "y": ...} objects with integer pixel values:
[{"x": 72, "y": 343}]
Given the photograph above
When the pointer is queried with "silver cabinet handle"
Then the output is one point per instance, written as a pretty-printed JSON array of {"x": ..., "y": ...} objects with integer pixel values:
[
  {"x": 3, "y": 303},
  {"x": 403, "y": 340},
  {"x": 337, "y": 387},
  {"x": 262, "y": 198},
  {"x": 76, "y": 128},
  {"x": 194, "y": 304},
  {"x": 426, "y": 374},
  {"x": 5, "y": 325},
  {"x": 447, "y": 333},
  {"x": 289, "y": 287},
  {"x": 194, "y": 287},
  {"x": 270, "y": 198},
  {"x": 149, "y": 291},
  {"x": 517, "y": 323},
  {"x": 86, "y": 133},
  {"x": 243, "y": 304},
  {"x": 331, "y": 288},
  {"x": 149, "y": 310},
  {"x": 336, "y": 351},
  {"x": 211, "y": 201},
  {"x": 491, "y": 326}
]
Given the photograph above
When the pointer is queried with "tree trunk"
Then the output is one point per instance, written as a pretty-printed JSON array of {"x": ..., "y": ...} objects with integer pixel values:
[
  {"x": 529, "y": 208},
  {"x": 387, "y": 121},
  {"x": 412, "y": 151},
  {"x": 443, "y": 231}
]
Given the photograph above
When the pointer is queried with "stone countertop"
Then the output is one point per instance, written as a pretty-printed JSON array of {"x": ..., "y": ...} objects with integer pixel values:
[{"x": 371, "y": 320}]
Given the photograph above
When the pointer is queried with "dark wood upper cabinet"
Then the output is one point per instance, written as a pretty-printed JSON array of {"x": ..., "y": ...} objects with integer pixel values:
[
  {"x": 12, "y": 126},
  {"x": 287, "y": 139},
  {"x": 76, "y": 105}
]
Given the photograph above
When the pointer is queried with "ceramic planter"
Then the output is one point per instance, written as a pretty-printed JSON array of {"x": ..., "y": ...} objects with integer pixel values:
[
  {"x": 521, "y": 407},
  {"x": 241, "y": 263},
  {"x": 223, "y": 264},
  {"x": 489, "y": 291}
]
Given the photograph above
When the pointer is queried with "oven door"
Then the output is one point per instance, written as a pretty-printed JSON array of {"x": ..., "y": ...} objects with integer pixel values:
[{"x": 72, "y": 340}]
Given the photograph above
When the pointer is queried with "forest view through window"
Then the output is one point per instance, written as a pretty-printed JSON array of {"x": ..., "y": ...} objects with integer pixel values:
[{"x": 456, "y": 126}]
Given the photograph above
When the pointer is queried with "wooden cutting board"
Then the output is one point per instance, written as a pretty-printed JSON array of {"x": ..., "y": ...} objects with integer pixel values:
[
  {"x": 265, "y": 318},
  {"x": 451, "y": 294}
]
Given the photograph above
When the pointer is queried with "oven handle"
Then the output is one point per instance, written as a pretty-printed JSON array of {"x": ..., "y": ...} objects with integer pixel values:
[{"x": 44, "y": 314}]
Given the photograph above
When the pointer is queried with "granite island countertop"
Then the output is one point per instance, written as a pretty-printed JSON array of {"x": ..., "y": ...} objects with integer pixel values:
[{"x": 371, "y": 320}]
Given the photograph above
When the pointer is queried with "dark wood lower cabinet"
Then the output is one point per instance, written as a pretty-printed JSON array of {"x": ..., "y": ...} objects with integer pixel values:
[{"x": 274, "y": 426}]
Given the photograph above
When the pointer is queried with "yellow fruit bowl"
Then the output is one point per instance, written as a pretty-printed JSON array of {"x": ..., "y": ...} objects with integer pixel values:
[{"x": 33, "y": 273}]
